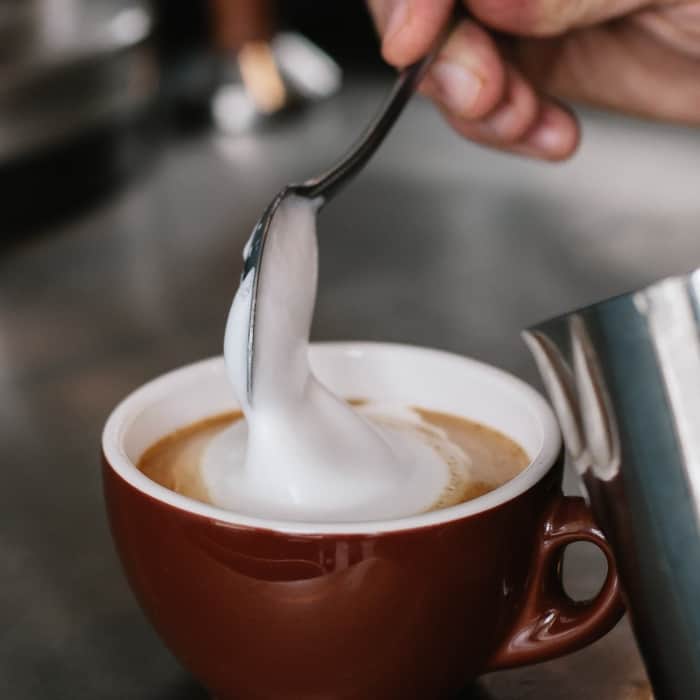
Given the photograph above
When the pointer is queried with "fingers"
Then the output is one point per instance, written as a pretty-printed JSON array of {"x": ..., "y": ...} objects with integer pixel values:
[
  {"x": 550, "y": 17},
  {"x": 482, "y": 97},
  {"x": 468, "y": 75},
  {"x": 489, "y": 101},
  {"x": 515, "y": 115},
  {"x": 408, "y": 28},
  {"x": 523, "y": 123}
]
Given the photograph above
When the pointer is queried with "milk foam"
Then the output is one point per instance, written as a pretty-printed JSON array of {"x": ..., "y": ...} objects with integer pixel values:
[{"x": 302, "y": 453}]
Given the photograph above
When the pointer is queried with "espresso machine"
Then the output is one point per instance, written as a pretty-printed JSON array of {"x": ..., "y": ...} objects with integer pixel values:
[{"x": 623, "y": 377}]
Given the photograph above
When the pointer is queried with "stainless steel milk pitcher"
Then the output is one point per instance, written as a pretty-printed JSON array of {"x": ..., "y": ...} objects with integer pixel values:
[{"x": 623, "y": 376}]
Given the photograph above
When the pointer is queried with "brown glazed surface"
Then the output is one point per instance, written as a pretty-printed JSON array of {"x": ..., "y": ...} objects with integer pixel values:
[{"x": 260, "y": 615}]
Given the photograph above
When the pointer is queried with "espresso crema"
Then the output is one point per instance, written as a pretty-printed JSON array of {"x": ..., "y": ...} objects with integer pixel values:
[{"x": 176, "y": 461}]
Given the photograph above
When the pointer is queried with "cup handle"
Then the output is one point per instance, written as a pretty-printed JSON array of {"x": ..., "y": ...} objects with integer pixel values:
[{"x": 550, "y": 623}]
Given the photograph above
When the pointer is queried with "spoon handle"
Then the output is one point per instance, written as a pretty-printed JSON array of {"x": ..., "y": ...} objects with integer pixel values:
[{"x": 324, "y": 186}]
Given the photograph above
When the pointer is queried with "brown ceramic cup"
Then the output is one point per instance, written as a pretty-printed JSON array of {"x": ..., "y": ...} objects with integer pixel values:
[{"x": 408, "y": 608}]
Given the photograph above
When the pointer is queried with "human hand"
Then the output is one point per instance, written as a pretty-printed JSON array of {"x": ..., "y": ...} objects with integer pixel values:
[{"x": 503, "y": 90}]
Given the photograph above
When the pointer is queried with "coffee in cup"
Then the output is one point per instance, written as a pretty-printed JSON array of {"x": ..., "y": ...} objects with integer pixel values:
[{"x": 479, "y": 459}]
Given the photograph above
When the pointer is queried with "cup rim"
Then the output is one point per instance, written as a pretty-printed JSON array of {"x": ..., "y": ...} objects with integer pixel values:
[{"x": 128, "y": 410}]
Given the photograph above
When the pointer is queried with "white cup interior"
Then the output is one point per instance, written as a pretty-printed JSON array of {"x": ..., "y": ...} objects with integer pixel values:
[{"x": 431, "y": 379}]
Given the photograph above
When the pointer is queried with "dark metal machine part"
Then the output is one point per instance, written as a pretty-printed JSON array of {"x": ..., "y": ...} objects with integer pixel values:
[
  {"x": 78, "y": 83},
  {"x": 68, "y": 66},
  {"x": 624, "y": 378},
  {"x": 462, "y": 250}
]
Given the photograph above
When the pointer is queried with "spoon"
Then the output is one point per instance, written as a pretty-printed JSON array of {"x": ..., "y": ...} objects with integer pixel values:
[{"x": 323, "y": 187}]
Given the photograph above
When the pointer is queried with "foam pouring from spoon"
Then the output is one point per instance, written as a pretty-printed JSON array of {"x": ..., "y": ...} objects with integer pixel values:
[
  {"x": 307, "y": 454},
  {"x": 302, "y": 452}
]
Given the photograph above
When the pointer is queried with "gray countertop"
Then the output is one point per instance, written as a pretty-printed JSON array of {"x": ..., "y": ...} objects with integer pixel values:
[{"x": 438, "y": 243}]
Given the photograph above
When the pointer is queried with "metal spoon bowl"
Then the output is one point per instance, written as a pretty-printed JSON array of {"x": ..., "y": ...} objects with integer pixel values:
[{"x": 322, "y": 187}]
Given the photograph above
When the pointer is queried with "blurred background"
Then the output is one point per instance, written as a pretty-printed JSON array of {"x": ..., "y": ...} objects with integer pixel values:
[
  {"x": 90, "y": 85},
  {"x": 139, "y": 143}
]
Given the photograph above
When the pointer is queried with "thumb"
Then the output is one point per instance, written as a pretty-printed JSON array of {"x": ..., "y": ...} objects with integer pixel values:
[
  {"x": 408, "y": 28},
  {"x": 551, "y": 17}
]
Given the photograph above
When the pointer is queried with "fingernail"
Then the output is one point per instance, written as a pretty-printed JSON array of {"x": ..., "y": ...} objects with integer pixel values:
[
  {"x": 546, "y": 138},
  {"x": 457, "y": 87},
  {"x": 398, "y": 14}
]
